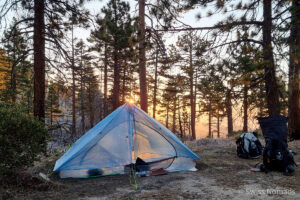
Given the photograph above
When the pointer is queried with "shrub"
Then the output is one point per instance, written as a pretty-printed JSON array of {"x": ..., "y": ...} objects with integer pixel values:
[{"x": 22, "y": 138}]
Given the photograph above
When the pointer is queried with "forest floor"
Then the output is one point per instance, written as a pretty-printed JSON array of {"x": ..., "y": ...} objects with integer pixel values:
[{"x": 221, "y": 175}]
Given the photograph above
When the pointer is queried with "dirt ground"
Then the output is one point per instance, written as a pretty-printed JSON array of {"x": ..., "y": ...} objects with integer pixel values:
[{"x": 221, "y": 175}]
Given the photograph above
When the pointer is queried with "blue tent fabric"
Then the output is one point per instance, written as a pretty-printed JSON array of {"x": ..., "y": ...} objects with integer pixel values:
[
  {"x": 181, "y": 149},
  {"x": 124, "y": 135}
]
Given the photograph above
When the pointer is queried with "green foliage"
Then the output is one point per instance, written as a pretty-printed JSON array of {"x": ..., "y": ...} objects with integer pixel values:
[
  {"x": 116, "y": 28},
  {"x": 22, "y": 138},
  {"x": 52, "y": 101},
  {"x": 18, "y": 75}
]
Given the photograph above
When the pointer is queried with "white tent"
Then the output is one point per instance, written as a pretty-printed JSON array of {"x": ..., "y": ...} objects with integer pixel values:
[{"x": 118, "y": 140}]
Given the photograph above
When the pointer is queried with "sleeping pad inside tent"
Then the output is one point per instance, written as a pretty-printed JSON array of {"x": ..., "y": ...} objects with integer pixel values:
[{"x": 125, "y": 137}]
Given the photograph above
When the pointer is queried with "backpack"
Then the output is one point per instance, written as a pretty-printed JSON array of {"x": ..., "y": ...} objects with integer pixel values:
[
  {"x": 276, "y": 156},
  {"x": 248, "y": 146}
]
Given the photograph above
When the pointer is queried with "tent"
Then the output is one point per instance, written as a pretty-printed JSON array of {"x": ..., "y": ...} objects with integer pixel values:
[{"x": 119, "y": 140}]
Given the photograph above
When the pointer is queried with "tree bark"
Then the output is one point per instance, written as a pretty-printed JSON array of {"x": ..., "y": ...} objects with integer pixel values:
[
  {"x": 167, "y": 118},
  {"x": 116, "y": 87},
  {"x": 185, "y": 120},
  {"x": 101, "y": 106},
  {"x": 174, "y": 114},
  {"x": 218, "y": 124},
  {"x": 245, "y": 108},
  {"x": 39, "y": 60},
  {"x": 189, "y": 126},
  {"x": 209, "y": 120},
  {"x": 191, "y": 77},
  {"x": 82, "y": 85},
  {"x": 229, "y": 112},
  {"x": 73, "y": 87},
  {"x": 105, "y": 81},
  {"x": 142, "y": 57},
  {"x": 91, "y": 110},
  {"x": 179, "y": 119},
  {"x": 51, "y": 112},
  {"x": 272, "y": 94},
  {"x": 13, "y": 76},
  {"x": 82, "y": 88},
  {"x": 155, "y": 84},
  {"x": 124, "y": 85},
  {"x": 294, "y": 72}
]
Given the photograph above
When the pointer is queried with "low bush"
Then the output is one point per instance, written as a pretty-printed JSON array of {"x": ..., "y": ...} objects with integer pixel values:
[{"x": 22, "y": 138}]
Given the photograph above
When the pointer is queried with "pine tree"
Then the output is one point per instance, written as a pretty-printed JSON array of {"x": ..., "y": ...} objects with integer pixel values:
[
  {"x": 116, "y": 30},
  {"x": 88, "y": 86},
  {"x": 91, "y": 91},
  {"x": 52, "y": 102},
  {"x": 17, "y": 68},
  {"x": 246, "y": 19},
  {"x": 47, "y": 19},
  {"x": 99, "y": 39},
  {"x": 162, "y": 13},
  {"x": 192, "y": 47},
  {"x": 294, "y": 72},
  {"x": 4, "y": 68},
  {"x": 213, "y": 99}
]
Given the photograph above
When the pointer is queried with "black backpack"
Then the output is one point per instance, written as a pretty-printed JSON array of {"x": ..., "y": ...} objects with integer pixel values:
[
  {"x": 276, "y": 156},
  {"x": 248, "y": 146}
]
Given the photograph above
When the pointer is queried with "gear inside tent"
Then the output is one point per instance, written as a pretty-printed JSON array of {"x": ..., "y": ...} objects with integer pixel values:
[{"x": 126, "y": 137}]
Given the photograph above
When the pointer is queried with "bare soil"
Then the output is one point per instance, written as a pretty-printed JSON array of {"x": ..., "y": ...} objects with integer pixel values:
[{"x": 221, "y": 175}]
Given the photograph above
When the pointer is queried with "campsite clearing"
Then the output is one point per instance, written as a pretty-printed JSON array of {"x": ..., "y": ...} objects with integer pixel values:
[{"x": 221, "y": 175}]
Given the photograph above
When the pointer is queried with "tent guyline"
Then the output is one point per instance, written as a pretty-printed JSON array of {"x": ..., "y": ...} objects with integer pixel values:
[{"x": 127, "y": 136}]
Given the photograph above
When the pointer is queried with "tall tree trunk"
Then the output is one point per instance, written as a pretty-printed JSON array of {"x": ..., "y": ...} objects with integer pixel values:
[
  {"x": 262, "y": 108},
  {"x": 218, "y": 124},
  {"x": 209, "y": 120},
  {"x": 174, "y": 114},
  {"x": 189, "y": 126},
  {"x": 124, "y": 85},
  {"x": 229, "y": 112},
  {"x": 167, "y": 118},
  {"x": 73, "y": 87},
  {"x": 269, "y": 66},
  {"x": 294, "y": 72},
  {"x": 101, "y": 107},
  {"x": 105, "y": 81},
  {"x": 184, "y": 119},
  {"x": 245, "y": 108},
  {"x": 191, "y": 77},
  {"x": 82, "y": 101},
  {"x": 51, "y": 111},
  {"x": 142, "y": 57},
  {"x": 91, "y": 106},
  {"x": 155, "y": 84},
  {"x": 179, "y": 119},
  {"x": 13, "y": 80},
  {"x": 39, "y": 59},
  {"x": 195, "y": 91},
  {"x": 116, "y": 87}
]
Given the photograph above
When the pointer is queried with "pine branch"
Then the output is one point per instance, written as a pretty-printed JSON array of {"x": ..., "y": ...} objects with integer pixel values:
[{"x": 229, "y": 25}]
